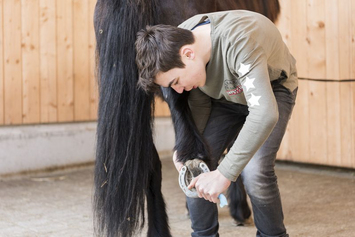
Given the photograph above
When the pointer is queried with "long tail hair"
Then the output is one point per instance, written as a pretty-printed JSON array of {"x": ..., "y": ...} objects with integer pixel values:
[{"x": 122, "y": 168}]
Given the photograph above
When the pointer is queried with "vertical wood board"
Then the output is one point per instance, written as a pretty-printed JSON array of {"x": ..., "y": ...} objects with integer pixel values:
[
  {"x": 65, "y": 74},
  {"x": 94, "y": 94},
  {"x": 161, "y": 108},
  {"x": 30, "y": 62},
  {"x": 344, "y": 36},
  {"x": 13, "y": 62},
  {"x": 346, "y": 108},
  {"x": 48, "y": 61},
  {"x": 81, "y": 61},
  {"x": 332, "y": 40},
  {"x": 301, "y": 110},
  {"x": 1, "y": 64}
]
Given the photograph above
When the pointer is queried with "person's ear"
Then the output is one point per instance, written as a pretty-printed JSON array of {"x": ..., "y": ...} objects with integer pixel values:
[{"x": 187, "y": 52}]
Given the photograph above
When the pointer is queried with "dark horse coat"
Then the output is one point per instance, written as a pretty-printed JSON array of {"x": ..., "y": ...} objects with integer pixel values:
[{"x": 128, "y": 168}]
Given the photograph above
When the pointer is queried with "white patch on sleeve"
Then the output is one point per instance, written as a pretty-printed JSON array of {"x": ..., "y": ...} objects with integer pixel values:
[
  {"x": 249, "y": 83},
  {"x": 254, "y": 100},
  {"x": 244, "y": 68}
]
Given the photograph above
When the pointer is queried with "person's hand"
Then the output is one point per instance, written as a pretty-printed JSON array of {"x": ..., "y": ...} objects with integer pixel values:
[
  {"x": 178, "y": 165},
  {"x": 210, "y": 185}
]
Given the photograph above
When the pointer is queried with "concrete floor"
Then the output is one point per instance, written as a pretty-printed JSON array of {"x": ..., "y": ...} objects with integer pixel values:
[{"x": 316, "y": 202}]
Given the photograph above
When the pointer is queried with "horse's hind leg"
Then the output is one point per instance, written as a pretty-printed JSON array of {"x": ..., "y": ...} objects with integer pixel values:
[
  {"x": 157, "y": 218},
  {"x": 238, "y": 205}
]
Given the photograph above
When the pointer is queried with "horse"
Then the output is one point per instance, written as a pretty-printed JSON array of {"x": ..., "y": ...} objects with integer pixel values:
[{"x": 127, "y": 175}]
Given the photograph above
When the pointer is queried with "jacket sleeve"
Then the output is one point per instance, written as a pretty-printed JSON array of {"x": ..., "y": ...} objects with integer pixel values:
[{"x": 249, "y": 64}]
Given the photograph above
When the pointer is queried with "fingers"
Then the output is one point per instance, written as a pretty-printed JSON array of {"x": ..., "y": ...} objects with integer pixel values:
[
  {"x": 202, "y": 191},
  {"x": 214, "y": 198},
  {"x": 193, "y": 182},
  {"x": 208, "y": 196}
]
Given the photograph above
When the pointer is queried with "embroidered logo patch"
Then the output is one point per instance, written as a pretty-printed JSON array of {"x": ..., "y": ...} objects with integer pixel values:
[{"x": 232, "y": 87}]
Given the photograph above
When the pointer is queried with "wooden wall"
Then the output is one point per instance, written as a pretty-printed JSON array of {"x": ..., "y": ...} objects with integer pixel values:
[
  {"x": 47, "y": 61},
  {"x": 321, "y": 36},
  {"x": 47, "y": 71}
]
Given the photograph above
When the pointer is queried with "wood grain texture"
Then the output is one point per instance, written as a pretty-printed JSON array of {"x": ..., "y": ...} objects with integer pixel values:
[
  {"x": 13, "y": 62},
  {"x": 301, "y": 122},
  {"x": 94, "y": 93},
  {"x": 2, "y": 112},
  {"x": 48, "y": 61},
  {"x": 81, "y": 61},
  {"x": 30, "y": 62},
  {"x": 161, "y": 108},
  {"x": 65, "y": 55},
  {"x": 321, "y": 37}
]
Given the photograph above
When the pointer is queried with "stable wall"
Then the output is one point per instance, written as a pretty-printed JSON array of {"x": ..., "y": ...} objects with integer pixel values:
[
  {"x": 47, "y": 72},
  {"x": 321, "y": 36},
  {"x": 47, "y": 61},
  {"x": 29, "y": 148}
]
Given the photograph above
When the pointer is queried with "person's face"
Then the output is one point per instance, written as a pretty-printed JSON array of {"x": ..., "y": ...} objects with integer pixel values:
[{"x": 188, "y": 78}]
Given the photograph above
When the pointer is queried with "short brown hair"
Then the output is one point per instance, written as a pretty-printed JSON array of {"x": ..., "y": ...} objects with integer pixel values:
[{"x": 157, "y": 49}]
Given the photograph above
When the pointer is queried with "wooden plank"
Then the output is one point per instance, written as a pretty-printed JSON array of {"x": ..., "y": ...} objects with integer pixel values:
[
  {"x": 352, "y": 9},
  {"x": 317, "y": 90},
  {"x": 333, "y": 124},
  {"x": 1, "y": 64},
  {"x": 30, "y": 62},
  {"x": 94, "y": 94},
  {"x": 48, "y": 62},
  {"x": 318, "y": 122},
  {"x": 300, "y": 136},
  {"x": 65, "y": 74},
  {"x": 344, "y": 36},
  {"x": 161, "y": 108},
  {"x": 284, "y": 22},
  {"x": 353, "y": 124},
  {"x": 332, "y": 39},
  {"x": 345, "y": 66},
  {"x": 332, "y": 88},
  {"x": 81, "y": 61},
  {"x": 13, "y": 62},
  {"x": 346, "y": 125},
  {"x": 316, "y": 39},
  {"x": 352, "y": 45},
  {"x": 300, "y": 139},
  {"x": 299, "y": 43},
  {"x": 284, "y": 26}
]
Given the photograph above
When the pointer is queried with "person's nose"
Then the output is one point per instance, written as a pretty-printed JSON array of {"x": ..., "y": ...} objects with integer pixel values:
[{"x": 178, "y": 89}]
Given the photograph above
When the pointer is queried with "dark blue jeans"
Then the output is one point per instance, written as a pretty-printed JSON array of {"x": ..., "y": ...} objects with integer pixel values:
[{"x": 259, "y": 177}]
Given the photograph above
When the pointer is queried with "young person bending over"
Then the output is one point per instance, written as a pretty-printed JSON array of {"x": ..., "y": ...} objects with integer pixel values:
[{"x": 243, "y": 84}]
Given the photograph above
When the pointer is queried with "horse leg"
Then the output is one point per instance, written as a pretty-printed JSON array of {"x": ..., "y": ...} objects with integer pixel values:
[
  {"x": 189, "y": 143},
  {"x": 157, "y": 218},
  {"x": 238, "y": 205}
]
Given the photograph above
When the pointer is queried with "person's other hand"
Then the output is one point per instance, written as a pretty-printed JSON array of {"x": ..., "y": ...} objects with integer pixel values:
[
  {"x": 178, "y": 165},
  {"x": 210, "y": 185}
]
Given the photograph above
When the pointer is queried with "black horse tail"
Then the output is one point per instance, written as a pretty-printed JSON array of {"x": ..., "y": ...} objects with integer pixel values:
[{"x": 125, "y": 150}]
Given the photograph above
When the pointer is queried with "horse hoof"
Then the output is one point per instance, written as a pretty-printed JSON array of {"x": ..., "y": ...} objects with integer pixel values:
[
  {"x": 246, "y": 222},
  {"x": 237, "y": 223}
]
